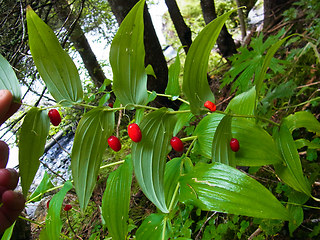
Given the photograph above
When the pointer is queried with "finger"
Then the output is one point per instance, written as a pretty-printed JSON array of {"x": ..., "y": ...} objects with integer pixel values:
[
  {"x": 9, "y": 178},
  {"x": 5, "y": 104},
  {"x": 4, "y": 154},
  {"x": 13, "y": 204},
  {"x": 13, "y": 108}
]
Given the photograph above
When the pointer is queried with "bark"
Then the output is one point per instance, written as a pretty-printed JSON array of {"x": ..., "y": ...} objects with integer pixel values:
[
  {"x": 79, "y": 41},
  {"x": 154, "y": 54},
  {"x": 242, "y": 21},
  {"x": 273, "y": 10},
  {"x": 183, "y": 31},
  {"x": 225, "y": 42}
]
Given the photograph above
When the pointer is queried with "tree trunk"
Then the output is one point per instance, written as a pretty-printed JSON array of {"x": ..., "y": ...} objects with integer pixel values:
[
  {"x": 183, "y": 31},
  {"x": 154, "y": 54},
  {"x": 225, "y": 42},
  {"x": 79, "y": 41},
  {"x": 273, "y": 10}
]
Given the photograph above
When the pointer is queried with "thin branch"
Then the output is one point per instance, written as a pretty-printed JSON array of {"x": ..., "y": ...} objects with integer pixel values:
[
  {"x": 204, "y": 224},
  {"x": 255, "y": 233}
]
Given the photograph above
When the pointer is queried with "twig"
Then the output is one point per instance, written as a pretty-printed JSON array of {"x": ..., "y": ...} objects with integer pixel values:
[
  {"x": 255, "y": 233},
  {"x": 203, "y": 225},
  {"x": 69, "y": 223},
  {"x": 58, "y": 175}
]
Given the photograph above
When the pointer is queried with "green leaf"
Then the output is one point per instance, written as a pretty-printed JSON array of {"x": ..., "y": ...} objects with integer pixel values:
[
  {"x": 53, "y": 219},
  {"x": 195, "y": 83},
  {"x": 173, "y": 87},
  {"x": 171, "y": 179},
  {"x": 32, "y": 140},
  {"x": 257, "y": 147},
  {"x": 8, "y": 79},
  {"x": 55, "y": 66},
  {"x": 221, "y": 151},
  {"x": 44, "y": 185},
  {"x": 243, "y": 103},
  {"x": 290, "y": 171},
  {"x": 266, "y": 63},
  {"x": 219, "y": 187},
  {"x": 300, "y": 143},
  {"x": 149, "y": 155},
  {"x": 90, "y": 142},
  {"x": 250, "y": 136},
  {"x": 205, "y": 131},
  {"x": 127, "y": 59},
  {"x": 8, "y": 232},
  {"x": 182, "y": 118},
  {"x": 116, "y": 200},
  {"x": 155, "y": 227},
  {"x": 150, "y": 71},
  {"x": 302, "y": 119},
  {"x": 104, "y": 99}
]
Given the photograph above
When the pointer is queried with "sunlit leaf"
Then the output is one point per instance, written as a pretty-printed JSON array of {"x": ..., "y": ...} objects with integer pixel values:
[
  {"x": 90, "y": 142},
  {"x": 290, "y": 171},
  {"x": 53, "y": 219},
  {"x": 221, "y": 151},
  {"x": 149, "y": 155},
  {"x": 219, "y": 187},
  {"x": 150, "y": 71},
  {"x": 55, "y": 66},
  {"x": 8, "y": 232},
  {"x": 195, "y": 83},
  {"x": 116, "y": 200},
  {"x": 302, "y": 119},
  {"x": 32, "y": 140},
  {"x": 127, "y": 59},
  {"x": 8, "y": 79},
  {"x": 155, "y": 227},
  {"x": 44, "y": 185}
]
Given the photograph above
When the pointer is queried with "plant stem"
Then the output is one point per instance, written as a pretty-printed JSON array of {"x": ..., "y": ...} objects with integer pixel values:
[
  {"x": 31, "y": 221},
  {"x": 144, "y": 106},
  {"x": 112, "y": 164},
  {"x": 302, "y": 205},
  {"x": 300, "y": 104},
  {"x": 170, "y": 96},
  {"x": 191, "y": 145},
  {"x": 174, "y": 197},
  {"x": 69, "y": 223},
  {"x": 60, "y": 186},
  {"x": 188, "y": 138},
  {"x": 250, "y": 116}
]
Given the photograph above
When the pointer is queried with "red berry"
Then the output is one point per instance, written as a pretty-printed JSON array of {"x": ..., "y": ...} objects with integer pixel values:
[
  {"x": 210, "y": 105},
  {"x": 134, "y": 132},
  {"x": 234, "y": 144},
  {"x": 110, "y": 104},
  {"x": 176, "y": 144},
  {"x": 54, "y": 116},
  {"x": 114, "y": 143},
  {"x": 67, "y": 207}
]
